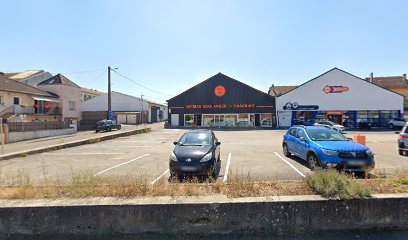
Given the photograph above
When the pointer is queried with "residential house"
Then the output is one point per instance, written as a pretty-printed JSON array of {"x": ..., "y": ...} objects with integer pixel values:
[
  {"x": 87, "y": 94},
  {"x": 69, "y": 94},
  {"x": 20, "y": 102}
]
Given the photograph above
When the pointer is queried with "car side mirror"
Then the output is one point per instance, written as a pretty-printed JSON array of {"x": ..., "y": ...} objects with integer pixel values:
[
  {"x": 303, "y": 139},
  {"x": 175, "y": 143},
  {"x": 218, "y": 143}
]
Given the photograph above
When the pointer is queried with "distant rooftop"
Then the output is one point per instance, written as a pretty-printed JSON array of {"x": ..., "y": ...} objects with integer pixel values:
[
  {"x": 279, "y": 90},
  {"x": 7, "y": 84},
  {"x": 391, "y": 82},
  {"x": 23, "y": 75},
  {"x": 58, "y": 79}
]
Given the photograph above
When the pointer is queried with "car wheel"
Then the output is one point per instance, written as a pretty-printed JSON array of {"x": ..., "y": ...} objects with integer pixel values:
[
  {"x": 401, "y": 152},
  {"x": 286, "y": 150},
  {"x": 119, "y": 127},
  {"x": 213, "y": 171},
  {"x": 313, "y": 161},
  {"x": 391, "y": 126},
  {"x": 96, "y": 131}
]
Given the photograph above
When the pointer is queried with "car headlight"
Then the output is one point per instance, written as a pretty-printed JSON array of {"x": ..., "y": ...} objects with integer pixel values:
[
  {"x": 369, "y": 152},
  {"x": 330, "y": 152},
  {"x": 206, "y": 157},
  {"x": 173, "y": 157}
]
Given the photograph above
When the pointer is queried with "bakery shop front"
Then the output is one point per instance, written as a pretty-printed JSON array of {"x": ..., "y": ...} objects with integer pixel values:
[{"x": 222, "y": 101}]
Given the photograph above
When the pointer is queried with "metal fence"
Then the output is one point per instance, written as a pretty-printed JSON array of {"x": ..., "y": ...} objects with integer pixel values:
[{"x": 34, "y": 126}]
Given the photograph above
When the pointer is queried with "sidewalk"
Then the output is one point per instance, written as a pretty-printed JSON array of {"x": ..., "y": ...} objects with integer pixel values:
[{"x": 33, "y": 144}]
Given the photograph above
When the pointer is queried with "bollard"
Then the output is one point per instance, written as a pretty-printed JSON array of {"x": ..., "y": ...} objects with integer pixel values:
[{"x": 360, "y": 139}]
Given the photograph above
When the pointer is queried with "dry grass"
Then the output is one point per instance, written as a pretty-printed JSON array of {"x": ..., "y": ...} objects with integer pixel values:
[{"x": 327, "y": 183}]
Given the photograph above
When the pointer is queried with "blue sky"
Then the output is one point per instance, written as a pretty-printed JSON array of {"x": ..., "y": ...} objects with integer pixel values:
[{"x": 170, "y": 46}]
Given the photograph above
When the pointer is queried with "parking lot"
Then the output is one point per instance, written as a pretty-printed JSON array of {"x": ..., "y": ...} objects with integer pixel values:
[{"x": 256, "y": 153}]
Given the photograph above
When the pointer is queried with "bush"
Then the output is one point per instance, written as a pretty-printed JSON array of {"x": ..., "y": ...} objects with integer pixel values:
[{"x": 332, "y": 184}]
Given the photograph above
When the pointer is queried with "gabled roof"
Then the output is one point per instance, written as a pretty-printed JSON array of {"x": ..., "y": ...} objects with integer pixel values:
[
  {"x": 91, "y": 91},
  {"x": 279, "y": 90},
  {"x": 390, "y": 82},
  {"x": 58, "y": 79},
  {"x": 23, "y": 75},
  {"x": 333, "y": 69},
  {"x": 9, "y": 85},
  {"x": 215, "y": 76}
]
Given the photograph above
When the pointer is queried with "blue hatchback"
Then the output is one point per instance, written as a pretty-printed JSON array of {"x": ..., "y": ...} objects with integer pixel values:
[{"x": 327, "y": 148}]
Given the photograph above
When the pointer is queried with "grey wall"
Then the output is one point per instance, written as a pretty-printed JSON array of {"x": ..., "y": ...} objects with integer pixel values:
[{"x": 260, "y": 217}]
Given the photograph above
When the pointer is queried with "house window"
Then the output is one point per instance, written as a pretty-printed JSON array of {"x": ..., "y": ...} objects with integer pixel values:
[
  {"x": 16, "y": 100},
  {"x": 1, "y": 100},
  {"x": 71, "y": 105}
]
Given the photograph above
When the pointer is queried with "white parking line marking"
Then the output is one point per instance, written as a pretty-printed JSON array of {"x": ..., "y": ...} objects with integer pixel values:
[
  {"x": 227, "y": 168},
  {"x": 157, "y": 179},
  {"x": 121, "y": 164},
  {"x": 86, "y": 153},
  {"x": 290, "y": 165}
]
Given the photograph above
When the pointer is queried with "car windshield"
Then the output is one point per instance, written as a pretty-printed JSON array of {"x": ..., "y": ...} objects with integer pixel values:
[
  {"x": 100, "y": 123},
  {"x": 195, "y": 139},
  {"x": 325, "y": 135}
]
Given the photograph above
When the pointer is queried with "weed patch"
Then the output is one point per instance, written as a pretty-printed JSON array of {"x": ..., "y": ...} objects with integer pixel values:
[{"x": 332, "y": 184}]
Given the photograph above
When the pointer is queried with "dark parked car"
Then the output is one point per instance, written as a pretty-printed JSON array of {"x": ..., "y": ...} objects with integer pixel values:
[
  {"x": 196, "y": 153},
  {"x": 107, "y": 125},
  {"x": 364, "y": 125}
]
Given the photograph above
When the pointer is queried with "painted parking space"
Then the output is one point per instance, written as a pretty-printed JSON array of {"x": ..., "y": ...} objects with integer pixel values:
[{"x": 255, "y": 153}]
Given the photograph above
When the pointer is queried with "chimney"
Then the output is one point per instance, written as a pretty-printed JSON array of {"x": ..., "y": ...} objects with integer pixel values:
[
  {"x": 371, "y": 77},
  {"x": 404, "y": 77}
]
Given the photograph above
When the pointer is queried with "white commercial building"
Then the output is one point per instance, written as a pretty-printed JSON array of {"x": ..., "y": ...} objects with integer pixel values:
[
  {"x": 126, "y": 108},
  {"x": 341, "y": 97}
]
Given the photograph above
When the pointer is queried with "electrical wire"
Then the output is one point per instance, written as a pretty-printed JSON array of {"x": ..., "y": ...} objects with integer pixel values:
[
  {"x": 140, "y": 84},
  {"x": 86, "y": 84},
  {"x": 87, "y": 71}
]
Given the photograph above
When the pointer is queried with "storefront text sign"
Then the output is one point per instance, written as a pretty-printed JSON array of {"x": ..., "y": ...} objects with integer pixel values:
[
  {"x": 335, "y": 89},
  {"x": 221, "y": 106}
]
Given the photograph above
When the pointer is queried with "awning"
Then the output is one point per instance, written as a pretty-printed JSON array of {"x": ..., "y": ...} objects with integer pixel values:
[{"x": 46, "y": 99}]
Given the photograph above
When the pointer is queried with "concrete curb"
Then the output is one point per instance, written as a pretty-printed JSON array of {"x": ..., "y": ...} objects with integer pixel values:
[
  {"x": 201, "y": 216},
  {"x": 73, "y": 144}
]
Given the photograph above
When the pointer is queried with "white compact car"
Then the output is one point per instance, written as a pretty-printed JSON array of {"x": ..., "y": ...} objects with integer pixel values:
[
  {"x": 331, "y": 125},
  {"x": 396, "y": 122}
]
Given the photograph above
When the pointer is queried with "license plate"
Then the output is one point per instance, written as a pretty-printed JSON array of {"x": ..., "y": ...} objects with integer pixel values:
[
  {"x": 356, "y": 163},
  {"x": 188, "y": 169}
]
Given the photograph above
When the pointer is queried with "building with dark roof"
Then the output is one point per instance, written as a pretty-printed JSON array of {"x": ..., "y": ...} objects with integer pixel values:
[{"x": 222, "y": 101}]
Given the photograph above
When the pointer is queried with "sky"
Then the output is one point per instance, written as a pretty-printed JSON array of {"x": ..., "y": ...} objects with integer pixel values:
[{"x": 169, "y": 46}]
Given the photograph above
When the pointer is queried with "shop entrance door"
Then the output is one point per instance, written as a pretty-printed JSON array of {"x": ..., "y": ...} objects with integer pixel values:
[
  {"x": 336, "y": 117},
  {"x": 197, "y": 119}
]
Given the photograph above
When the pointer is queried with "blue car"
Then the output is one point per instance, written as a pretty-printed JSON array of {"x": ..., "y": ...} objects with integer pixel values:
[{"x": 326, "y": 148}]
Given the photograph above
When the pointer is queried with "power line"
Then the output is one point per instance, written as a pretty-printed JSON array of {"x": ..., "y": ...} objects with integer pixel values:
[
  {"x": 86, "y": 71},
  {"x": 140, "y": 84},
  {"x": 86, "y": 84}
]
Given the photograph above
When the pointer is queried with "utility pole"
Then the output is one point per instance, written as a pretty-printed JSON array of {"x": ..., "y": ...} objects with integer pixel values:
[
  {"x": 142, "y": 116},
  {"x": 2, "y": 136},
  {"x": 109, "y": 94}
]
